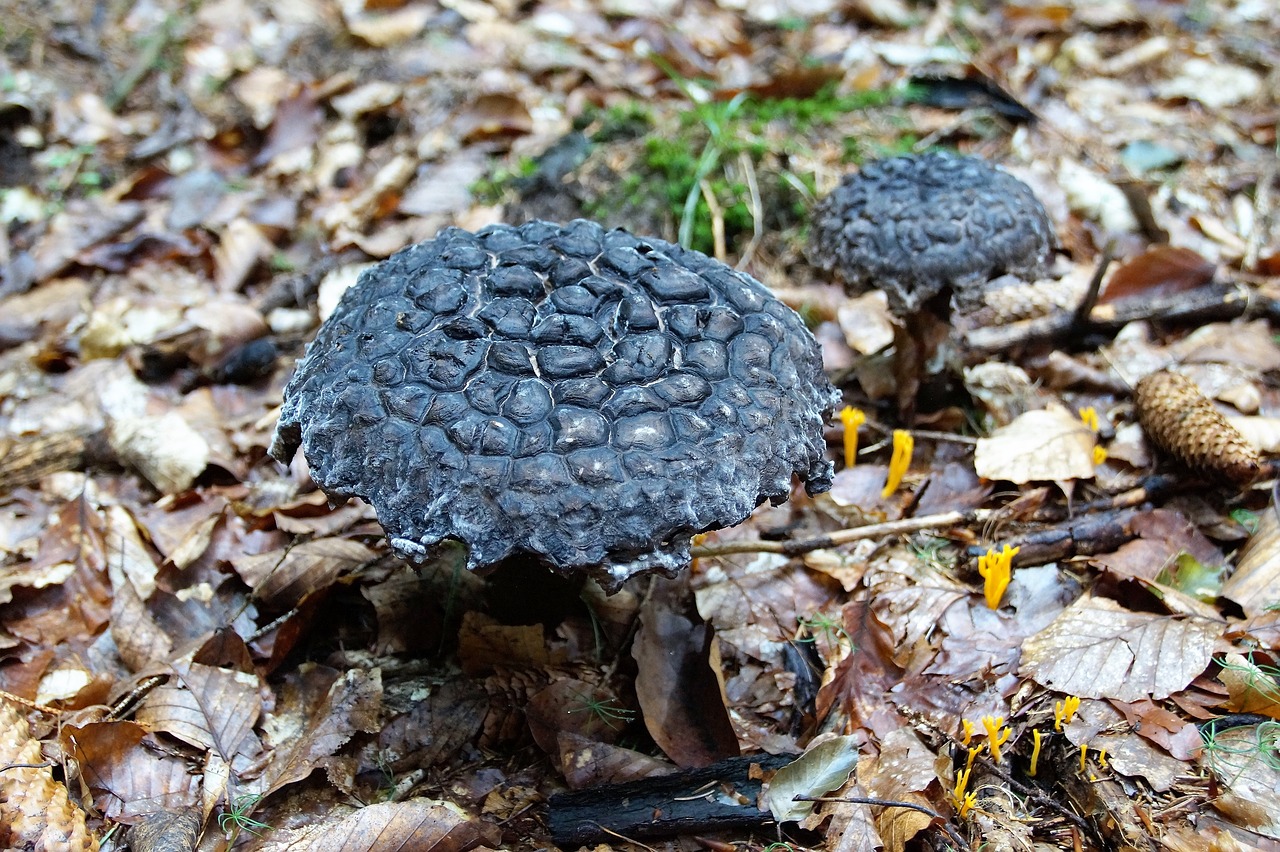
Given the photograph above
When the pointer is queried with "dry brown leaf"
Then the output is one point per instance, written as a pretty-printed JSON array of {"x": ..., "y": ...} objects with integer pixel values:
[
  {"x": 284, "y": 577},
  {"x": 420, "y": 824},
  {"x": 587, "y": 763},
  {"x": 485, "y": 645},
  {"x": 1099, "y": 725},
  {"x": 1252, "y": 689},
  {"x": 207, "y": 707},
  {"x": 569, "y": 705},
  {"x": 902, "y": 771},
  {"x": 434, "y": 728},
  {"x": 1243, "y": 761},
  {"x": 1046, "y": 445},
  {"x": 1098, "y": 649},
  {"x": 1159, "y": 271},
  {"x": 353, "y": 703}
]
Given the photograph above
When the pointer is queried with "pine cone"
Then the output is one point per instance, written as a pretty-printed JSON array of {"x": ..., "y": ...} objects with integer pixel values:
[
  {"x": 1183, "y": 422},
  {"x": 35, "y": 811}
]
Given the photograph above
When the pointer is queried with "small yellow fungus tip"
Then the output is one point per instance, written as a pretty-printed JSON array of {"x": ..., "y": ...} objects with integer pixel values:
[
  {"x": 1064, "y": 711},
  {"x": 969, "y": 729},
  {"x": 1035, "y": 751},
  {"x": 1084, "y": 753},
  {"x": 852, "y": 418},
  {"x": 1099, "y": 455},
  {"x": 903, "y": 446},
  {"x": 996, "y": 569},
  {"x": 963, "y": 801},
  {"x": 997, "y": 735},
  {"x": 1102, "y": 758},
  {"x": 1090, "y": 417}
]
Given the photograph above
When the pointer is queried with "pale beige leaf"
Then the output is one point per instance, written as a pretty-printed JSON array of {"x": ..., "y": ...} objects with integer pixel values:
[
  {"x": 866, "y": 322},
  {"x": 1262, "y": 432},
  {"x": 1098, "y": 649},
  {"x": 1047, "y": 445},
  {"x": 822, "y": 768}
]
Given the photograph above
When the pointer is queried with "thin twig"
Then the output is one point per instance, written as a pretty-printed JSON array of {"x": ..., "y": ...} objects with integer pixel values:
[
  {"x": 845, "y": 536},
  {"x": 1080, "y": 320},
  {"x": 943, "y": 822}
]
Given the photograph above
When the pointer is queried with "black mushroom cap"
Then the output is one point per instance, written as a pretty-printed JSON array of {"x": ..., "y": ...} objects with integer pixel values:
[
  {"x": 586, "y": 397},
  {"x": 915, "y": 226}
]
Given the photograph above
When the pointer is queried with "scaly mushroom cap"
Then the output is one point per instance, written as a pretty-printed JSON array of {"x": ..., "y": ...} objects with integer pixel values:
[
  {"x": 915, "y": 226},
  {"x": 587, "y": 397}
]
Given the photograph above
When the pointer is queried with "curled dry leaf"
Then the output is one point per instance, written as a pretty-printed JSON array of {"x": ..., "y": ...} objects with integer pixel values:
[
  {"x": 1254, "y": 583},
  {"x": 1183, "y": 422},
  {"x": 1098, "y": 649},
  {"x": 1243, "y": 760},
  {"x": 164, "y": 449},
  {"x": 682, "y": 698},
  {"x": 1252, "y": 689},
  {"x": 1045, "y": 445}
]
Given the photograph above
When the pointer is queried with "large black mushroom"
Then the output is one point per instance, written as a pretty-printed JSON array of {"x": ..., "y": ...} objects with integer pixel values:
[{"x": 585, "y": 397}]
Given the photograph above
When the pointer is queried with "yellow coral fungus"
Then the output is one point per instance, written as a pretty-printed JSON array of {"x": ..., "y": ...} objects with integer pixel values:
[
  {"x": 1064, "y": 711},
  {"x": 1090, "y": 417},
  {"x": 1099, "y": 455},
  {"x": 997, "y": 735},
  {"x": 1035, "y": 751},
  {"x": 852, "y": 418},
  {"x": 968, "y": 731},
  {"x": 996, "y": 569},
  {"x": 903, "y": 446}
]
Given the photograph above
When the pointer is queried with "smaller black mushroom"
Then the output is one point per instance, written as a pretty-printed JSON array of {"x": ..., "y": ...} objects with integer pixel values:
[{"x": 918, "y": 226}]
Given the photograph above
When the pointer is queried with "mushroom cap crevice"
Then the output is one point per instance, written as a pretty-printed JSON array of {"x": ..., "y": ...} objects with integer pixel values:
[{"x": 586, "y": 397}]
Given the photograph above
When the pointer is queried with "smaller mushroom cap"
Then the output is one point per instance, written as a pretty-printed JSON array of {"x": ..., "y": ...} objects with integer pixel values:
[
  {"x": 915, "y": 226},
  {"x": 584, "y": 397}
]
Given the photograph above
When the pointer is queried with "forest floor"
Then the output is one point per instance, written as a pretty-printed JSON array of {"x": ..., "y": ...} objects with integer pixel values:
[{"x": 198, "y": 651}]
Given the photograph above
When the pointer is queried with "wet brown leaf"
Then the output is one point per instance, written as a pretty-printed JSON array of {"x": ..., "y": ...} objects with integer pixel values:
[
  {"x": 128, "y": 775},
  {"x": 680, "y": 696},
  {"x": 1159, "y": 271}
]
